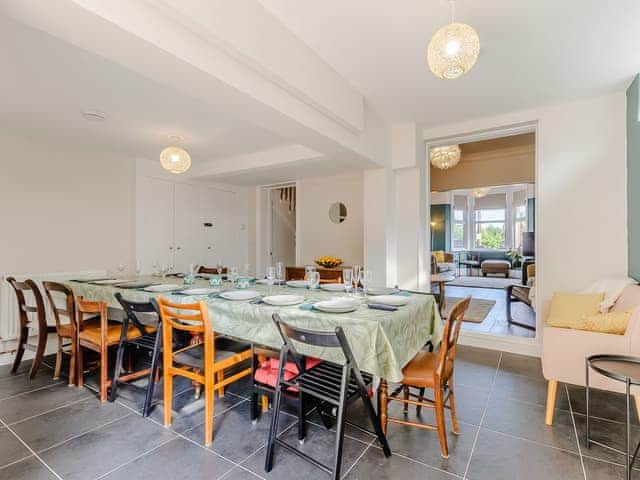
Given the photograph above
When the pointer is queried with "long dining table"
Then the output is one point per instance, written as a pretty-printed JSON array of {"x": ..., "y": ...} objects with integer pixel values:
[{"x": 383, "y": 342}]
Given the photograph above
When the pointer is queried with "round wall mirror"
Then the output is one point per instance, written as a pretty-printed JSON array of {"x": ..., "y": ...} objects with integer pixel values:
[{"x": 338, "y": 212}]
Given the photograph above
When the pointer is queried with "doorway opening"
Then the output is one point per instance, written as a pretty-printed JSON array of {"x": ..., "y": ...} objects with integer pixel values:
[
  {"x": 482, "y": 224},
  {"x": 281, "y": 239}
]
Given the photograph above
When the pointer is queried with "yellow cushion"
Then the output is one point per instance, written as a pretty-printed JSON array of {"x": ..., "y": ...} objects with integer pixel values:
[
  {"x": 531, "y": 270},
  {"x": 439, "y": 254},
  {"x": 569, "y": 309},
  {"x": 610, "y": 322}
]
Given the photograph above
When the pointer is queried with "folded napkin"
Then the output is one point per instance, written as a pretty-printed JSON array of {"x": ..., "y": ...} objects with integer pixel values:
[
  {"x": 306, "y": 306},
  {"x": 402, "y": 293},
  {"x": 380, "y": 306},
  {"x": 257, "y": 301}
]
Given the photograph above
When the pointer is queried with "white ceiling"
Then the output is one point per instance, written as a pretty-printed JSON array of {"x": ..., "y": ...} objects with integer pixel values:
[
  {"x": 47, "y": 83},
  {"x": 533, "y": 52}
]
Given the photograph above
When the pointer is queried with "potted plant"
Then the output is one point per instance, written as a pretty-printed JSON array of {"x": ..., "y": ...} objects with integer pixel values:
[{"x": 515, "y": 256}]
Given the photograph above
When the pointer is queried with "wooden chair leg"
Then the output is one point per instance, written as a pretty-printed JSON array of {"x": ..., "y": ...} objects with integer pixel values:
[
  {"x": 24, "y": 334},
  {"x": 384, "y": 404},
  {"x": 405, "y": 404},
  {"x": 72, "y": 364},
  {"x": 637, "y": 404},
  {"x": 42, "y": 343},
  {"x": 265, "y": 404},
  {"x": 56, "y": 371},
  {"x": 208, "y": 413},
  {"x": 420, "y": 399},
  {"x": 80, "y": 366},
  {"x": 452, "y": 408},
  {"x": 168, "y": 397},
  {"x": 440, "y": 421},
  {"x": 552, "y": 390},
  {"x": 104, "y": 366},
  {"x": 220, "y": 379}
]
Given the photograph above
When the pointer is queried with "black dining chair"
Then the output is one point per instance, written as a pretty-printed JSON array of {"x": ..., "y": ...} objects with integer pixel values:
[
  {"x": 150, "y": 340},
  {"x": 334, "y": 386}
]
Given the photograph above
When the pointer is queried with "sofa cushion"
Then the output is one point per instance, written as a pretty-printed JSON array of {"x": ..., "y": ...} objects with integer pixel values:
[
  {"x": 610, "y": 322},
  {"x": 629, "y": 299},
  {"x": 568, "y": 310},
  {"x": 439, "y": 254}
]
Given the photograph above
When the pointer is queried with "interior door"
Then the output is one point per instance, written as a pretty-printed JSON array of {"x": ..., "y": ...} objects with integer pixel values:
[
  {"x": 187, "y": 227},
  {"x": 154, "y": 223},
  {"x": 283, "y": 231},
  {"x": 215, "y": 211}
]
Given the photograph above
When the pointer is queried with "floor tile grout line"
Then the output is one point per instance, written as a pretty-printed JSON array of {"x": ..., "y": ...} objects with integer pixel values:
[
  {"x": 73, "y": 437},
  {"x": 49, "y": 411},
  {"x": 31, "y": 450},
  {"x": 528, "y": 440},
  {"x": 22, "y": 459},
  {"x": 226, "y": 474},
  {"x": 419, "y": 462},
  {"x": 30, "y": 391},
  {"x": 575, "y": 430},
  {"x": 128, "y": 462},
  {"x": 484, "y": 413},
  {"x": 366, "y": 449}
]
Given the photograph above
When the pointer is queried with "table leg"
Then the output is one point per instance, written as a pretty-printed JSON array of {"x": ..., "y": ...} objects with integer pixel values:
[{"x": 443, "y": 301}]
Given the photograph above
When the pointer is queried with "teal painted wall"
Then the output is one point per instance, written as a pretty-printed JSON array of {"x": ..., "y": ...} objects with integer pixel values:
[
  {"x": 441, "y": 227},
  {"x": 633, "y": 176},
  {"x": 531, "y": 215}
]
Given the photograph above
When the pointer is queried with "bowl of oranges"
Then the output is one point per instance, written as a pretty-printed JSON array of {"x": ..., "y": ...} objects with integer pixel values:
[{"x": 328, "y": 261}]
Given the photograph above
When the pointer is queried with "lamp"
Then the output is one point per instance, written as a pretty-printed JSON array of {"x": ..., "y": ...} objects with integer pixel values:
[
  {"x": 480, "y": 192},
  {"x": 445, "y": 157},
  {"x": 175, "y": 159},
  {"x": 453, "y": 49}
]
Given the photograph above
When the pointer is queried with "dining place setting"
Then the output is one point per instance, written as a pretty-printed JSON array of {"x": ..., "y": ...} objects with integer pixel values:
[{"x": 318, "y": 343}]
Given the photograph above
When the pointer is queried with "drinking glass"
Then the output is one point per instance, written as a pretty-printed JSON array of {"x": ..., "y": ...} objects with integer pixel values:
[
  {"x": 271, "y": 275},
  {"x": 220, "y": 266},
  {"x": 188, "y": 279},
  {"x": 365, "y": 279},
  {"x": 121, "y": 268},
  {"x": 347, "y": 275},
  {"x": 138, "y": 267},
  {"x": 308, "y": 270},
  {"x": 233, "y": 274},
  {"x": 215, "y": 280},
  {"x": 356, "y": 276},
  {"x": 280, "y": 271},
  {"x": 313, "y": 280},
  {"x": 246, "y": 270}
]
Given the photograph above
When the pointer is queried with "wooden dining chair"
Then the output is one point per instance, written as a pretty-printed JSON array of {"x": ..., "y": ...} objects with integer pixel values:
[
  {"x": 24, "y": 309},
  {"x": 433, "y": 370},
  {"x": 63, "y": 304},
  {"x": 97, "y": 335},
  {"x": 331, "y": 386},
  {"x": 201, "y": 362},
  {"x": 212, "y": 270}
]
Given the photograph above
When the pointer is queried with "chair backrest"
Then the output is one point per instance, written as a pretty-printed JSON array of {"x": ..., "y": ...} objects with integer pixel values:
[
  {"x": 53, "y": 290},
  {"x": 24, "y": 308},
  {"x": 335, "y": 339},
  {"x": 448, "y": 346},
  {"x": 90, "y": 307},
  {"x": 211, "y": 270},
  {"x": 132, "y": 308}
]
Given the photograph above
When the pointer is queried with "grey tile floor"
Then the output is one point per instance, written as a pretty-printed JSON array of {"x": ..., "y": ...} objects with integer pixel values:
[{"x": 49, "y": 430}]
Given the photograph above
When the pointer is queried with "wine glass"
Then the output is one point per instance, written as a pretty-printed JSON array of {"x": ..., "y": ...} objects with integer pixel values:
[
  {"x": 365, "y": 279},
  {"x": 138, "y": 267},
  {"x": 313, "y": 280},
  {"x": 156, "y": 267},
  {"x": 233, "y": 274},
  {"x": 347, "y": 275},
  {"x": 220, "y": 266},
  {"x": 271, "y": 275},
  {"x": 356, "y": 276}
]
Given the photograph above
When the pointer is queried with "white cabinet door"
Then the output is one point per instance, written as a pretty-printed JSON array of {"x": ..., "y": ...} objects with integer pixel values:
[
  {"x": 154, "y": 223},
  {"x": 187, "y": 227},
  {"x": 215, "y": 207}
]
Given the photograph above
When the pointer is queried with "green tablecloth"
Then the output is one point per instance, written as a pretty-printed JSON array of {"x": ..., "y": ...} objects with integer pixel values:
[{"x": 382, "y": 342}]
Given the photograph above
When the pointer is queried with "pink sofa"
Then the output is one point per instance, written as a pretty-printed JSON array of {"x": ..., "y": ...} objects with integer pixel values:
[{"x": 564, "y": 351}]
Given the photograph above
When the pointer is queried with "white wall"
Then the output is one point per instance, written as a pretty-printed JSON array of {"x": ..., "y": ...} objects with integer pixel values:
[
  {"x": 64, "y": 208},
  {"x": 581, "y": 193},
  {"x": 317, "y": 235}
]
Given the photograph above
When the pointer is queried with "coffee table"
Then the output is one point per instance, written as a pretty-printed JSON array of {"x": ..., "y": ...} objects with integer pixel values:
[{"x": 624, "y": 369}]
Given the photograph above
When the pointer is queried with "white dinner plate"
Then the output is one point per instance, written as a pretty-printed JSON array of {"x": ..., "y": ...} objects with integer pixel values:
[
  {"x": 337, "y": 305},
  {"x": 199, "y": 291},
  {"x": 283, "y": 300},
  {"x": 165, "y": 287},
  {"x": 111, "y": 281},
  {"x": 240, "y": 294},
  {"x": 393, "y": 300},
  {"x": 381, "y": 290},
  {"x": 333, "y": 287},
  {"x": 297, "y": 283}
]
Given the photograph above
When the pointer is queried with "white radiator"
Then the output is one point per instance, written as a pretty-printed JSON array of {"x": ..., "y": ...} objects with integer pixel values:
[{"x": 9, "y": 319}]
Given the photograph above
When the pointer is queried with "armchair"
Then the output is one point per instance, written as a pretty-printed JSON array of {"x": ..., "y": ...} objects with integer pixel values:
[{"x": 442, "y": 261}]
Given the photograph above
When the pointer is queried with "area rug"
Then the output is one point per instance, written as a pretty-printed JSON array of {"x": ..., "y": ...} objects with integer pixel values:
[
  {"x": 477, "y": 311},
  {"x": 484, "y": 282}
]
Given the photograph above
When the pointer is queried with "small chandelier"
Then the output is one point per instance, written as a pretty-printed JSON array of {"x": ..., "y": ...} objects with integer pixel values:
[
  {"x": 480, "y": 192},
  {"x": 453, "y": 49},
  {"x": 175, "y": 159},
  {"x": 445, "y": 157}
]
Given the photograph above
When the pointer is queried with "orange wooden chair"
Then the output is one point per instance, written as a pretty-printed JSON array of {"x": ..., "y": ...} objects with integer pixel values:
[
  {"x": 432, "y": 370},
  {"x": 204, "y": 361},
  {"x": 98, "y": 334}
]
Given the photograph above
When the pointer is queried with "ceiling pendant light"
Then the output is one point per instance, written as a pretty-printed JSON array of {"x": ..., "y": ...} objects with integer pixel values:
[
  {"x": 444, "y": 157},
  {"x": 175, "y": 159},
  {"x": 453, "y": 49},
  {"x": 480, "y": 192}
]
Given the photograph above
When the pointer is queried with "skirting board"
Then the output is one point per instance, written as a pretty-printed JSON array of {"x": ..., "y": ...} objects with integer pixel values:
[{"x": 520, "y": 345}]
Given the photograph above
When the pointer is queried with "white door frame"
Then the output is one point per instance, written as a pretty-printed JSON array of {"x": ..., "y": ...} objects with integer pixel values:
[
  {"x": 264, "y": 220},
  {"x": 525, "y": 346}
]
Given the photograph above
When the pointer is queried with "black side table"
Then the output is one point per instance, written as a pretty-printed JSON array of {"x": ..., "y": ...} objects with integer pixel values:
[{"x": 621, "y": 368}]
